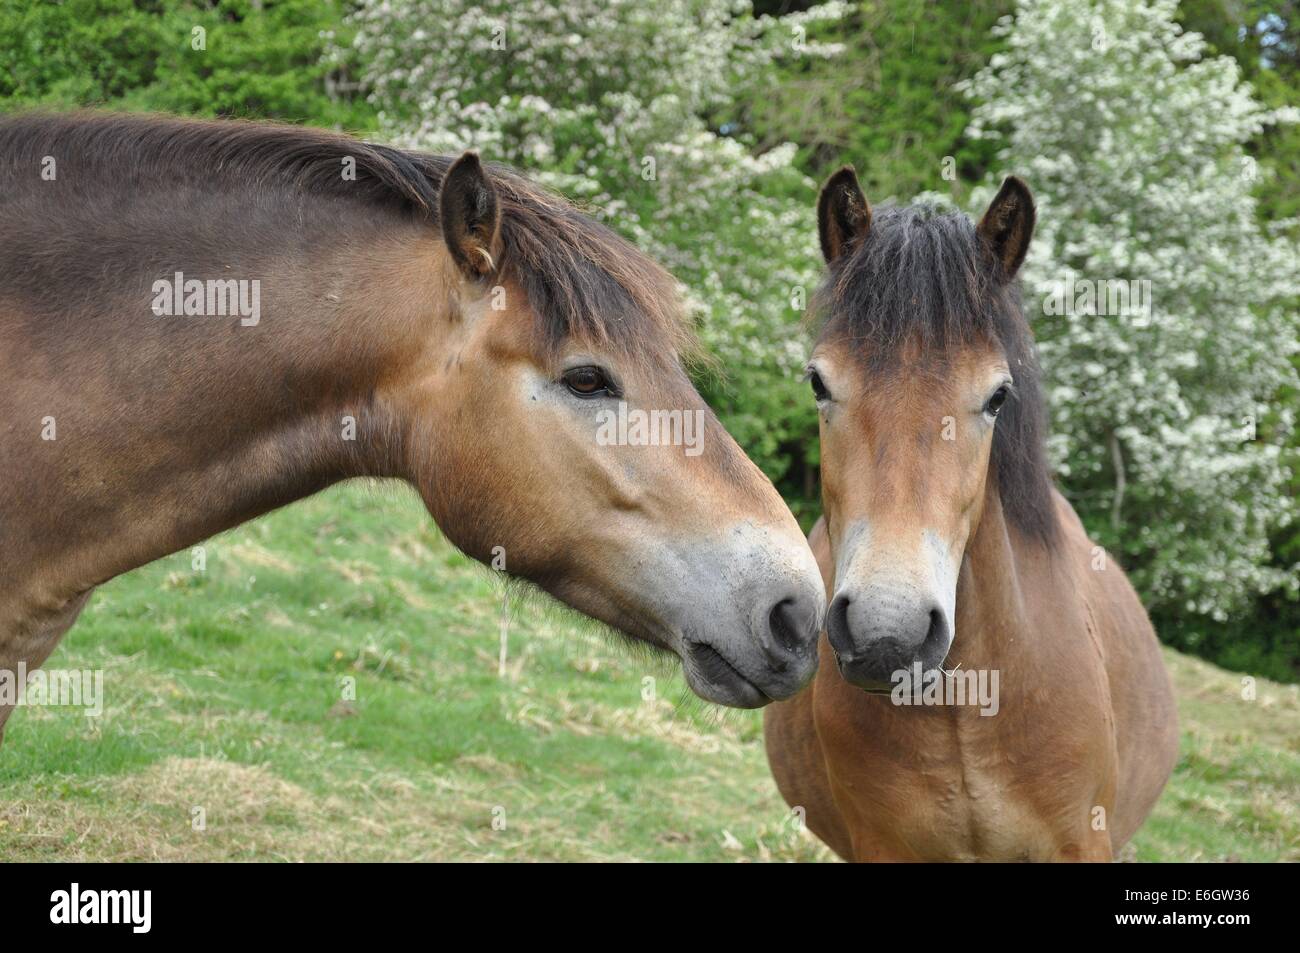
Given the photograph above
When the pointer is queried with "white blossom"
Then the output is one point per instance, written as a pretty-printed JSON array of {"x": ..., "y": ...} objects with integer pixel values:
[
  {"x": 606, "y": 101},
  {"x": 1133, "y": 146}
]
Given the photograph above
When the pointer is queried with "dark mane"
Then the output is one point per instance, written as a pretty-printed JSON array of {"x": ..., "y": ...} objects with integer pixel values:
[
  {"x": 582, "y": 280},
  {"x": 922, "y": 275}
]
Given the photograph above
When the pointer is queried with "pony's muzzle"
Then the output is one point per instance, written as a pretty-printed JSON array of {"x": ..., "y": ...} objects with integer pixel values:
[
  {"x": 772, "y": 662},
  {"x": 879, "y": 637}
]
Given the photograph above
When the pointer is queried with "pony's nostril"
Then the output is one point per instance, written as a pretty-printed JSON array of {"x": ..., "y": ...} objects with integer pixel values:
[
  {"x": 791, "y": 628},
  {"x": 837, "y": 626},
  {"x": 779, "y": 623},
  {"x": 935, "y": 646}
]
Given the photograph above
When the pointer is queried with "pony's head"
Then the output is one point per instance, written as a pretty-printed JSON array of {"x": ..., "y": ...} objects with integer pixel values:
[
  {"x": 930, "y": 409},
  {"x": 562, "y": 441}
]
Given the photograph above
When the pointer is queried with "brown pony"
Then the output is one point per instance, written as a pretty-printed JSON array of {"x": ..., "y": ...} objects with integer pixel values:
[
  {"x": 203, "y": 321},
  {"x": 1053, "y": 730}
]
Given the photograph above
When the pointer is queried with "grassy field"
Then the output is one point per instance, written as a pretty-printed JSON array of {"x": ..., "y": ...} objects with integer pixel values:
[{"x": 223, "y": 701}]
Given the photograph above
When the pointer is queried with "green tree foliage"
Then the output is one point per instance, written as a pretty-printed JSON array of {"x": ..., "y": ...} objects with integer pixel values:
[
  {"x": 887, "y": 103},
  {"x": 257, "y": 58},
  {"x": 1264, "y": 37}
]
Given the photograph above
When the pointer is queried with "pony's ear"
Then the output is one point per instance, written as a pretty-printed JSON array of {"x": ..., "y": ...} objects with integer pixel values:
[
  {"x": 471, "y": 217},
  {"x": 843, "y": 215},
  {"x": 1008, "y": 225}
]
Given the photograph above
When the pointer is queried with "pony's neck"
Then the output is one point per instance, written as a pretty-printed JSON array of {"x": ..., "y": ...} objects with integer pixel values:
[{"x": 209, "y": 424}]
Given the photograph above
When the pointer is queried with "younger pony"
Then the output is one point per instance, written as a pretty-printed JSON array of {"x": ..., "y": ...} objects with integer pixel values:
[{"x": 990, "y": 686}]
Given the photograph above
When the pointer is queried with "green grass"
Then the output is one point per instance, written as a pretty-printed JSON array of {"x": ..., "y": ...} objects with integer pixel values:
[{"x": 222, "y": 693}]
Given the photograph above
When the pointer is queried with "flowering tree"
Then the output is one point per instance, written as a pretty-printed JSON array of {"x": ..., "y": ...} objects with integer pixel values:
[
  {"x": 1168, "y": 431},
  {"x": 609, "y": 101}
]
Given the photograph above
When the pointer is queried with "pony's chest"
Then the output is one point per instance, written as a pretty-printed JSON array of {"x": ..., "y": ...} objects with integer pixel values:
[
  {"x": 968, "y": 812},
  {"x": 944, "y": 788}
]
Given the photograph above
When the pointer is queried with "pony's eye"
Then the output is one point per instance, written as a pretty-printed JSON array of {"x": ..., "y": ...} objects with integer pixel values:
[
  {"x": 996, "y": 401},
  {"x": 587, "y": 381},
  {"x": 818, "y": 386}
]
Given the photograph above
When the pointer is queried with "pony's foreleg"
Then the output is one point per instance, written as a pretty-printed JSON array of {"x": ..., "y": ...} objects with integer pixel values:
[{"x": 27, "y": 643}]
